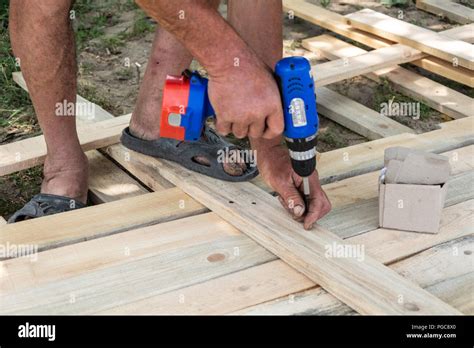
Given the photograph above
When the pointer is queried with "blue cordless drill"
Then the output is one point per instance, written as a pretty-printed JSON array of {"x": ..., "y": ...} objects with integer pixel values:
[{"x": 186, "y": 107}]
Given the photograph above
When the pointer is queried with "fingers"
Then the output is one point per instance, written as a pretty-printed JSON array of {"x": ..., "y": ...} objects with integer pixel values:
[
  {"x": 292, "y": 201},
  {"x": 319, "y": 204},
  {"x": 256, "y": 129},
  {"x": 239, "y": 131},
  {"x": 223, "y": 128},
  {"x": 275, "y": 125}
]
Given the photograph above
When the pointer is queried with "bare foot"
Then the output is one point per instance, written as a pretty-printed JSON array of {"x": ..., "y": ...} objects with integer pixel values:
[{"x": 66, "y": 175}]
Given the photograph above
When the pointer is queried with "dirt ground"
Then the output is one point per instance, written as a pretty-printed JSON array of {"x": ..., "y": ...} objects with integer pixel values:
[{"x": 114, "y": 39}]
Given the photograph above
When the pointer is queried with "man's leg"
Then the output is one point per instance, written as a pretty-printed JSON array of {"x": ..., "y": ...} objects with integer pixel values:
[
  {"x": 259, "y": 23},
  {"x": 43, "y": 40},
  {"x": 168, "y": 57}
]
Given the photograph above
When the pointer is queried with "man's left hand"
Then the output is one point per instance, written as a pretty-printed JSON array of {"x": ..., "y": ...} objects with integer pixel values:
[{"x": 275, "y": 167}]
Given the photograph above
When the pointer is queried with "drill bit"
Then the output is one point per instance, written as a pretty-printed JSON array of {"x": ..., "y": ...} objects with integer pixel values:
[{"x": 306, "y": 192}]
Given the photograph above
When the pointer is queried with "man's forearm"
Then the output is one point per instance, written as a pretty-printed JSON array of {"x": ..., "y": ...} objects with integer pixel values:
[{"x": 203, "y": 31}]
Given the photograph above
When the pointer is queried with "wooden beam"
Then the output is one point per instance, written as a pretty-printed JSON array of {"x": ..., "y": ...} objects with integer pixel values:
[
  {"x": 345, "y": 68},
  {"x": 262, "y": 218},
  {"x": 107, "y": 182},
  {"x": 430, "y": 42},
  {"x": 101, "y": 220},
  {"x": 269, "y": 281},
  {"x": 447, "y": 9},
  {"x": 357, "y": 117},
  {"x": 367, "y": 157},
  {"x": 337, "y": 23},
  {"x": 433, "y": 94},
  {"x": 463, "y": 33},
  {"x": 31, "y": 152}
]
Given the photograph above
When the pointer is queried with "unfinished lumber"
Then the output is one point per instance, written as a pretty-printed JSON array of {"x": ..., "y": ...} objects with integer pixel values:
[
  {"x": 337, "y": 23},
  {"x": 80, "y": 258},
  {"x": 101, "y": 220},
  {"x": 453, "y": 51},
  {"x": 101, "y": 289},
  {"x": 86, "y": 111},
  {"x": 107, "y": 182},
  {"x": 445, "y": 270},
  {"x": 2, "y": 221},
  {"x": 341, "y": 69},
  {"x": 433, "y": 94},
  {"x": 366, "y": 157},
  {"x": 261, "y": 217},
  {"x": 447, "y": 9},
  {"x": 268, "y": 281},
  {"x": 356, "y": 117},
  {"x": 463, "y": 33},
  {"x": 31, "y": 152},
  {"x": 438, "y": 269}
]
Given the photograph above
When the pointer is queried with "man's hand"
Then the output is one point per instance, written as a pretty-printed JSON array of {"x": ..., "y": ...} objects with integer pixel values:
[
  {"x": 275, "y": 167},
  {"x": 247, "y": 100}
]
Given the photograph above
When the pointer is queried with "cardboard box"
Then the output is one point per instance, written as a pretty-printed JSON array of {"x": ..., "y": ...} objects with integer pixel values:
[{"x": 409, "y": 207}]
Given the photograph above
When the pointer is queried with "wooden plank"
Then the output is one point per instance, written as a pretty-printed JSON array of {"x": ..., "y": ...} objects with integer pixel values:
[
  {"x": 463, "y": 33},
  {"x": 357, "y": 117},
  {"x": 269, "y": 281},
  {"x": 366, "y": 157},
  {"x": 101, "y": 220},
  {"x": 136, "y": 279},
  {"x": 80, "y": 258},
  {"x": 261, "y": 217},
  {"x": 447, "y": 9},
  {"x": 31, "y": 152},
  {"x": 453, "y": 51},
  {"x": 107, "y": 182},
  {"x": 437, "y": 270},
  {"x": 433, "y": 94},
  {"x": 337, "y": 23},
  {"x": 341, "y": 69},
  {"x": 2, "y": 221}
]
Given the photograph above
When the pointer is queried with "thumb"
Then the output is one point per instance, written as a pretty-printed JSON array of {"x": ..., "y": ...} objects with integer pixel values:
[{"x": 293, "y": 200}]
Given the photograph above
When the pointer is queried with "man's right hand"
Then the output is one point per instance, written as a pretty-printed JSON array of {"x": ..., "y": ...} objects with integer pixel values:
[{"x": 247, "y": 101}]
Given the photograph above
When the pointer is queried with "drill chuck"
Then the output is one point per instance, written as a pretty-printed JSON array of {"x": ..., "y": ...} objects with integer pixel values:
[{"x": 302, "y": 154}]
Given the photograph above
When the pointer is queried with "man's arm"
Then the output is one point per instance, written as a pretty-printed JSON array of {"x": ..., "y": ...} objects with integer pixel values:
[{"x": 242, "y": 89}]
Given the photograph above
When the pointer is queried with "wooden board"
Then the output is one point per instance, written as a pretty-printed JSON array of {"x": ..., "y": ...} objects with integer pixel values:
[
  {"x": 101, "y": 220},
  {"x": 80, "y": 258},
  {"x": 366, "y": 157},
  {"x": 107, "y": 182},
  {"x": 31, "y": 152},
  {"x": 345, "y": 68},
  {"x": 414, "y": 36},
  {"x": 447, "y": 9},
  {"x": 261, "y": 217},
  {"x": 2, "y": 221},
  {"x": 356, "y": 117},
  {"x": 337, "y": 23},
  {"x": 433, "y": 94},
  {"x": 268, "y": 281},
  {"x": 463, "y": 33}
]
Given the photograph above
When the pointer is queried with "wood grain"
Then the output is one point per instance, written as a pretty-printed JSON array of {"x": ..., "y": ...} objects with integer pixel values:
[
  {"x": 433, "y": 94},
  {"x": 337, "y": 23},
  {"x": 414, "y": 36},
  {"x": 357, "y": 117},
  {"x": 447, "y": 9}
]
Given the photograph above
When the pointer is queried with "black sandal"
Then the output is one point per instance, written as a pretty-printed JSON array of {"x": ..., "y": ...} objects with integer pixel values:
[
  {"x": 183, "y": 152},
  {"x": 45, "y": 204}
]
